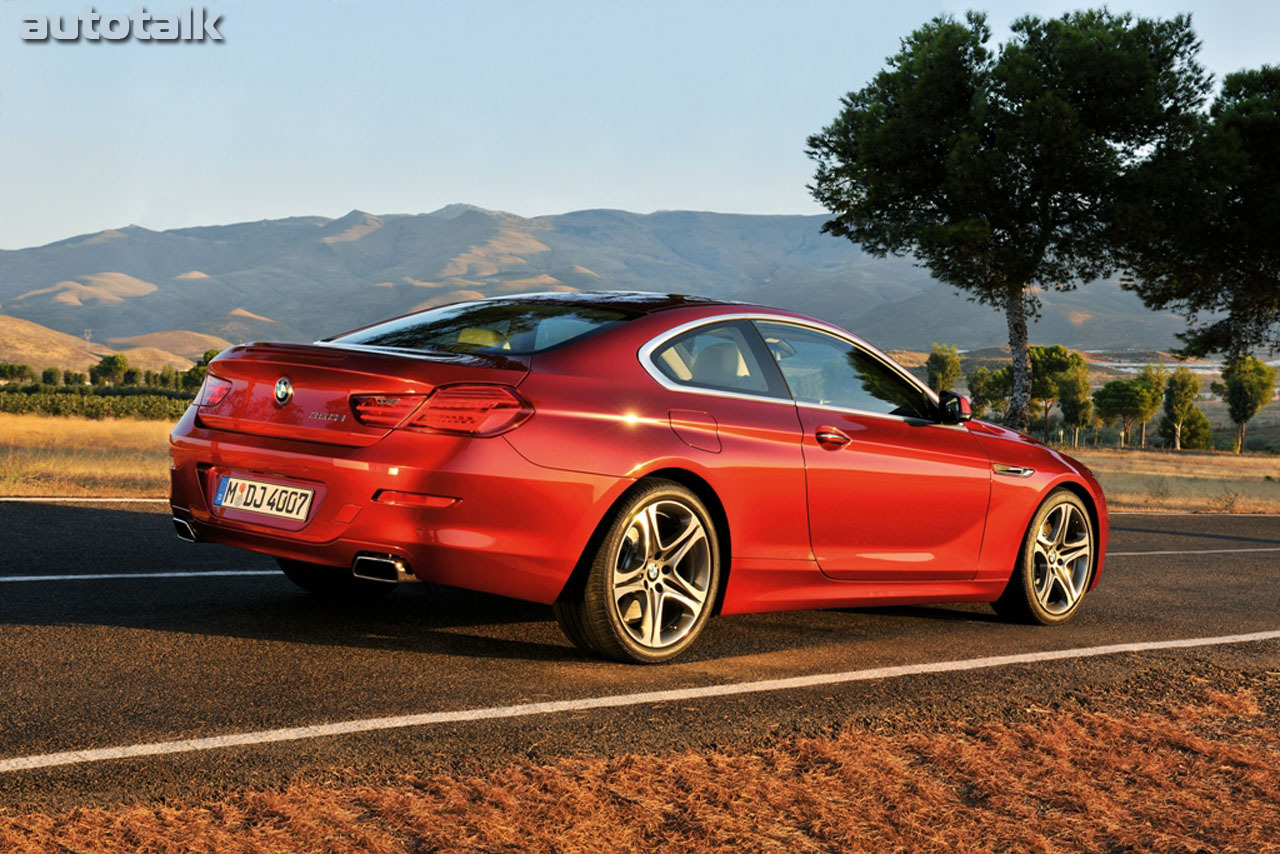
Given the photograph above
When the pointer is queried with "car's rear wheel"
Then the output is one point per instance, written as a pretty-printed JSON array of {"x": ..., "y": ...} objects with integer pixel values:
[
  {"x": 331, "y": 581},
  {"x": 1055, "y": 565},
  {"x": 651, "y": 584}
]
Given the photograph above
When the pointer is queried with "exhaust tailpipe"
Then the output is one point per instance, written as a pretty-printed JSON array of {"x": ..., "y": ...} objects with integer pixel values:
[
  {"x": 391, "y": 570},
  {"x": 184, "y": 530}
]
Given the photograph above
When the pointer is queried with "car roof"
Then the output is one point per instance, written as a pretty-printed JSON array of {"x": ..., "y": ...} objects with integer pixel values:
[{"x": 639, "y": 302}]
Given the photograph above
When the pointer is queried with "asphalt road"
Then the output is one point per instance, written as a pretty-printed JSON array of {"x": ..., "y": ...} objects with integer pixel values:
[{"x": 103, "y": 662}]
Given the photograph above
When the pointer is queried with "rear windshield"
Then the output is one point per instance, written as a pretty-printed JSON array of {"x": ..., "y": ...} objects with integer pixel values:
[{"x": 510, "y": 328}]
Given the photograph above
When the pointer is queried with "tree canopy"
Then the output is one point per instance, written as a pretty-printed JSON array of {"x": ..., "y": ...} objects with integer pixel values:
[
  {"x": 995, "y": 168},
  {"x": 1198, "y": 225},
  {"x": 1247, "y": 385},
  {"x": 1126, "y": 401},
  {"x": 1180, "y": 393},
  {"x": 943, "y": 366}
]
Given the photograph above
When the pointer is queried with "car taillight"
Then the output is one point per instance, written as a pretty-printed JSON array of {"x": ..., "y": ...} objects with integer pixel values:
[
  {"x": 472, "y": 409},
  {"x": 384, "y": 410},
  {"x": 212, "y": 390}
]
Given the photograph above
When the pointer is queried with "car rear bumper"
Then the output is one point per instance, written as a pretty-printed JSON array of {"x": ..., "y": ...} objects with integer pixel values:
[{"x": 502, "y": 525}]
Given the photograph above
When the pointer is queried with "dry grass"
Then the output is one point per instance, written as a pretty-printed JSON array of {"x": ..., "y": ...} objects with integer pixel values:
[
  {"x": 42, "y": 455},
  {"x": 1190, "y": 480},
  {"x": 1203, "y": 776}
]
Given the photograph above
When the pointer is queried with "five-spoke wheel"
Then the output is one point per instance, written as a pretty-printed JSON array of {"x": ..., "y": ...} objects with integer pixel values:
[
  {"x": 1055, "y": 565},
  {"x": 652, "y": 581}
]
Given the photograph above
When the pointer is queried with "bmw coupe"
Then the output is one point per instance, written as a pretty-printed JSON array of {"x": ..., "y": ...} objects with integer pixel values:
[{"x": 639, "y": 461}]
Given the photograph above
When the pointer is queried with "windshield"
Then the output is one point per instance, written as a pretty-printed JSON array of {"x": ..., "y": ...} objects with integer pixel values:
[{"x": 512, "y": 328}]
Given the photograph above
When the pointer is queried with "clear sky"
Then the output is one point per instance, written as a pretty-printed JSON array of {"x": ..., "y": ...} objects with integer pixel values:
[{"x": 321, "y": 106}]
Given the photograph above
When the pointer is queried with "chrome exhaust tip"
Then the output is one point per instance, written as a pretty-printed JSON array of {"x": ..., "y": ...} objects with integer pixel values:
[
  {"x": 184, "y": 530},
  {"x": 391, "y": 570}
]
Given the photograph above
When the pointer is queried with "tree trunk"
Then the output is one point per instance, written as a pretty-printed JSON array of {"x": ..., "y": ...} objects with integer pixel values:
[
  {"x": 1017, "y": 414},
  {"x": 1144, "y": 434},
  {"x": 1075, "y": 436},
  {"x": 1048, "y": 404},
  {"x": 1240, "y": 437},
  {"x": 1177, "y": 436}
]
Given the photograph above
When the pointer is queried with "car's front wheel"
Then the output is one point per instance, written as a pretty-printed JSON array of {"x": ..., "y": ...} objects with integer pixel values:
[
  {"x": 651, "y": 583},
  {"x": 1055, "y": 565}
]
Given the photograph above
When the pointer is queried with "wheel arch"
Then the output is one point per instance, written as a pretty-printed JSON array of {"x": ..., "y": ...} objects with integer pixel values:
[{"x": 696, "y": 484}]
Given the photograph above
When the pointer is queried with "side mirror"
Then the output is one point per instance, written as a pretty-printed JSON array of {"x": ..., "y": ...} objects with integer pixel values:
[{"x": 955, "y": 409}]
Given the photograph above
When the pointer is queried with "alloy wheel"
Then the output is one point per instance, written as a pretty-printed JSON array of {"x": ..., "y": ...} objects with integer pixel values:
[
  {"x": 1062, "y": 556},
  {"x": 662, "y": 573}
]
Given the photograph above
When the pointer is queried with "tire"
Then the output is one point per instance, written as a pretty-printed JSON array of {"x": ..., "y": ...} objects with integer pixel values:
[
  {"x": 1055, "y": 564},
  {"x": 647, "y": 596},
  {"x": 331, "y": 582}
]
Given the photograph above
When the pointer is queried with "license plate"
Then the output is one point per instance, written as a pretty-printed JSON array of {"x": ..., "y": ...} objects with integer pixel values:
[{"x": 268, "y": 499}]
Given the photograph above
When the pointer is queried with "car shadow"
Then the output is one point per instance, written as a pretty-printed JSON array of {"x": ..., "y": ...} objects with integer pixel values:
[
  {"x": 425, "y": 618},
  {"x": 1194, "y": 535}
]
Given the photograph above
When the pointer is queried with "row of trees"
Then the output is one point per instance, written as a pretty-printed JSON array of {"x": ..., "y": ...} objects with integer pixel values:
[
  {"x": 113, "y": 370},
  {"x": 1060, "y": 376},
  {"x": 1079, "y": 148}
]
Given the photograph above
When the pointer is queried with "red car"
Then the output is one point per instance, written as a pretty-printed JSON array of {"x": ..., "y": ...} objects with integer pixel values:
[{"x": 639, "y": 461}]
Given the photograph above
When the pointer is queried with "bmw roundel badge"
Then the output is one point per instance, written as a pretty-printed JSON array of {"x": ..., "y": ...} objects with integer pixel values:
[{"x": 284, "y": 391}]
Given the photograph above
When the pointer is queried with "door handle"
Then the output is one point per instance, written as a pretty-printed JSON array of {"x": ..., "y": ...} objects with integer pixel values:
[{"x": 830, "y": 437}]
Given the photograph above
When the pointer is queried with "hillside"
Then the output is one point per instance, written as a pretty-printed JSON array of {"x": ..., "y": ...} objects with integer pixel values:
[
  {"x": 28, "y": 343},
  {"x": 181, "y": 342},
  {"x": 307, "y": 277}
]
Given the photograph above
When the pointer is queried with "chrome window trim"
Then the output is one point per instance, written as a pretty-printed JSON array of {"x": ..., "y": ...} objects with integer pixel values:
[{"x": 646, "y": 351}]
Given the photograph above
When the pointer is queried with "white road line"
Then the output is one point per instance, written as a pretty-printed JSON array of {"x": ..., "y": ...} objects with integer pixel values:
[
  {"x": 115, "y": 576},
  {"x": 59, "y": 499},
  {"x": 76, "y": 757},
  {"x": 1193, "y": 552}
]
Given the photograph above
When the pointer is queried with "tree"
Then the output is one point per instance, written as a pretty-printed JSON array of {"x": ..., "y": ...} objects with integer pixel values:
[
  {"x": 1153, "y": 377},
  {"x": 1198, "y": 226},
  {"x": 1125, "y": 401},
  {"x": 1048, "y": 365},
  {"x": 16, "y": 373},
  {"x": 110, "y": 370},
  {"x": 996, "y": 169},
  {"x": 1075, "y": 402},
  {"x": 1196, "y": 433},
  {"x": 1247, "y": 386},
  {"x": 132, "y": 376},
  {"x": 192, "y": 377},
  {"x": 988, "y": 389},
  {"x": 1180, "y": 394},
  {"x": 943, "y": 366},
  {"x": 50, "y": 376}
]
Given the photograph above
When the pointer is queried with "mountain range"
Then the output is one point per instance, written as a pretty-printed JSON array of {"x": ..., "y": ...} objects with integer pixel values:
[{"x": 303, "y": 278}]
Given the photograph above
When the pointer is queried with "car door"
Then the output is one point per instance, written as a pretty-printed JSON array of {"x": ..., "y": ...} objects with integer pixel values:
[
  {"x": 729, "y": 402},
  {"x": 892, "y": 493}
]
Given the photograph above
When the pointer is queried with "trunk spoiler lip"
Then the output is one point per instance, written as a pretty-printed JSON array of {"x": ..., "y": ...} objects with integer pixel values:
[{"x": 493, "y": 361}]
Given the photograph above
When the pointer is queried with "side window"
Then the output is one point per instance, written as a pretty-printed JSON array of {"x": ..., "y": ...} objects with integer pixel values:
[
  {"x": 717, "y": 357},
  {"x": 825, "y": 370}
]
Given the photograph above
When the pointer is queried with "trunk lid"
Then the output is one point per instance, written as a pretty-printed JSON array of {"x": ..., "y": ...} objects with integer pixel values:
[{"x": 322, "y": 379}]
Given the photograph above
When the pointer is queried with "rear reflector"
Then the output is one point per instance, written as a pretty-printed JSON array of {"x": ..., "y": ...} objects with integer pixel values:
[
  {"x": 413, "y": 499},
  {"x": 212, "y": 390},
  {"x": 381, "y": 410},
  {"x": 472, "y": 409}
]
